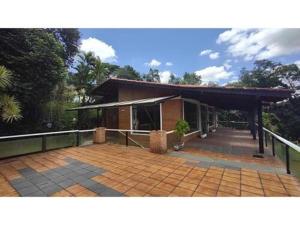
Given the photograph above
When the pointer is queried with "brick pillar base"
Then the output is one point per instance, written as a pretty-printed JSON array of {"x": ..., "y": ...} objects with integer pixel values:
[
  {"x": 99, "y": 135},
  {"x": 158, "y": 141}
]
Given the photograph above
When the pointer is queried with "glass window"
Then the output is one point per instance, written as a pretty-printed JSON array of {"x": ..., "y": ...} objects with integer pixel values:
[
  {"x": 146, "y": 117},
  {"x": 191, "y": 115}
]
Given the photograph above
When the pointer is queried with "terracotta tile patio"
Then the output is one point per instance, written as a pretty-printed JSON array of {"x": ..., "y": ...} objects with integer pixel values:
[{"x": 115, "y": 170}]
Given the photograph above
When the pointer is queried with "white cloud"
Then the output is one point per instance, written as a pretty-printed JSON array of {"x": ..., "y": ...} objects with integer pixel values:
[
  {"x": 206, "y": 52},
  {"x": 214, "y": 73},
  {"x": 105, "y": 52},
  {"x": 214, "y": 55},
  {"x": 165, "y": 76},
  {"x": 227, "y": 64},
  {"x": 169, "y": 64},
  {"x": 252, "y": 44},
  {"x": 297, "y": 63},
  {"x": 211, "y": 54},
  {"x": 153, "y": 63}
]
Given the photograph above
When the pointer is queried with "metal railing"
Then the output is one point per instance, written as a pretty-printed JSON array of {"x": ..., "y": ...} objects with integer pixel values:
[
  {"x": 234, "y": 124},
  {"x": 126, "y": 132},
  {"x": 287, "y": 144},
  {"x": 273, "y": 137},
  {"x": 43, "y": 142}
]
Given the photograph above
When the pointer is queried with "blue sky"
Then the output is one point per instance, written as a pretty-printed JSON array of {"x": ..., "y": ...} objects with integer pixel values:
[{"x": 216, "y": 54}]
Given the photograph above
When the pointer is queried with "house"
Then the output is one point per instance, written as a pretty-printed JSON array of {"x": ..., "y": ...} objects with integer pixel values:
[{"x": 139, "y": 107}]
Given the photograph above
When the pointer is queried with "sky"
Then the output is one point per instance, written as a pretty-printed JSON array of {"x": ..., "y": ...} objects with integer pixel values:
[{"x": 217, "y": 55}]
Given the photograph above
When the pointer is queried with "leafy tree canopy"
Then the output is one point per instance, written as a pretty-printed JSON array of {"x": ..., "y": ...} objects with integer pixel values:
[
  {"x": 283, "y": 117},
  {"x": 174, "y": 80},
  {"x": 9, "y": 107},
  {"x": 191, "y": 78},
  {"x": 187, "y": 78},
  {"x": 37, "y": 59},
  {"x": 69, "y": 38},
  {"x": 269, "y": 74},
  {"x": 127, "y": 72}
]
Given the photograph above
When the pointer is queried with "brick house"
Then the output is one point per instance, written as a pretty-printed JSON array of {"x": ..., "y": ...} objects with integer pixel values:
[{"x": 140, "y": 106}]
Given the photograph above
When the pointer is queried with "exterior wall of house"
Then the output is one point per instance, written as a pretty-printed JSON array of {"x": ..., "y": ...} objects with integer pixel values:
[
  {"x": 171, "y": 113},
  {"x": 111, "y": 118},
  {"x": 171, "y": 109}
]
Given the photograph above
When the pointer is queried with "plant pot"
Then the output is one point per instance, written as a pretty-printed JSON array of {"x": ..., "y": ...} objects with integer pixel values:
[{"x": 179, "y": 146}]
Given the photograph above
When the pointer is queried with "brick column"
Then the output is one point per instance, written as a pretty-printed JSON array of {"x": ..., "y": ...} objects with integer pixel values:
[
  {"x": 100, "y": 135},
  {"x": 158, "y": 141}
]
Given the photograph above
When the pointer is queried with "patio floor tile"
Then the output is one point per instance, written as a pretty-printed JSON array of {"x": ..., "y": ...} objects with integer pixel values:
[
  {"x": 186, "y": 185},
  {"x": 182, "y": 192},
  {"x": 109, "y": 170},
  {"x": 133, "y": 192}
]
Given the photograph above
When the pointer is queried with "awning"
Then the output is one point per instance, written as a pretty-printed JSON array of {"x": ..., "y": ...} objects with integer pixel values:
[{"x": 146, "y": 101}]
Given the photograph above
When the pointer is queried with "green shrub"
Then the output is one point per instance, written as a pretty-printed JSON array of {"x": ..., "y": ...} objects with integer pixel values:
[{"x": 181, "y": 128}]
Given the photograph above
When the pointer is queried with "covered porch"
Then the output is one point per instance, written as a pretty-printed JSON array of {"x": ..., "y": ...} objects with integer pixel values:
[
  {"x": 228, "y": 141},
  {"x": 195, "y": 104}
]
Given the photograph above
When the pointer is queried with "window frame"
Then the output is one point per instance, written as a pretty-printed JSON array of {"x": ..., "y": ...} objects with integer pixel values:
[
  {"x": 145, "y": 134},
  {"x": 197, "y": 103}
]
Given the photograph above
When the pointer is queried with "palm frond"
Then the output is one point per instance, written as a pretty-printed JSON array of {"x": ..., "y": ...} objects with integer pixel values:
[
  {"x": 5, "y": 77},
  {"x": 10, "y": 109}
]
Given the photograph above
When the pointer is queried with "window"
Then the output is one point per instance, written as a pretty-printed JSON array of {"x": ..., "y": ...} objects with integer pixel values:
[
  {"x": 146, "y": 117},
  {"x": 191, "y": 115}
]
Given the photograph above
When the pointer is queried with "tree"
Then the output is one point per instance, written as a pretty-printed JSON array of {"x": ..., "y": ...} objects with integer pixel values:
[
  {"x": 55, "y": 116},
  {"x": 262, "y": 75},
  {"x": 100, "y": 71},
  {"x": 9, "y": 107},
  {"x": 282, "y": 117},
  {"x": 152, "y": 76},
  {"x": 69, "y": 38},
  {"x": 174, "y": 80},
  {"x": 191, "y": 78},
  {"x": 83, "y": 78},
  {"x": 289, "y": 75},
  {"x": 37, "y": 59},
  {"x": 127, "y": 72}
]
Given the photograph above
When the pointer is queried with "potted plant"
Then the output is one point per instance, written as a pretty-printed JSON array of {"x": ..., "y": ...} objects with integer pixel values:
[{"x": 181, "y": 128}]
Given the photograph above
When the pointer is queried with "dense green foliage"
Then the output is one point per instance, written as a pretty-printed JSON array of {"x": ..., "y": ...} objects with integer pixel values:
[
  {"x": 38, "y": 60},
  {"x": 9, "y": 107},
  {"x": 152, "y": 76},
  {"x": 187, "y": 78},
  {"x": 127, "y": 72},
  {"x": 181, "y": 128},
  {"x": 283, "y": 117}
]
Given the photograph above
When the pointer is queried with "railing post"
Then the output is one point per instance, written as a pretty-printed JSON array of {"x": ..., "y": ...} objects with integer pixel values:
[
  {"x": 266, "y": 140},
  {"x": 126, "y": 138},
  {"x": 273, "y": 146},
  {"x": 287, "y": 156},
  {"x": 44, "y": 143},
  {"x": 77, "y": 138}
]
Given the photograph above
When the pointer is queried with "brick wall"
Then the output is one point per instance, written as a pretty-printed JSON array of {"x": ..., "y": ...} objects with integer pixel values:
[{"x": 172, "y": 112}]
